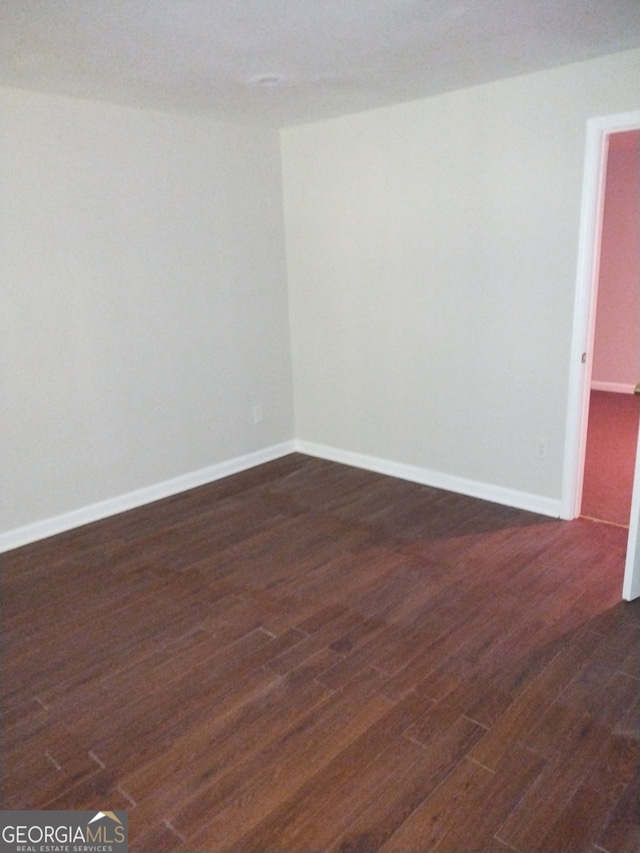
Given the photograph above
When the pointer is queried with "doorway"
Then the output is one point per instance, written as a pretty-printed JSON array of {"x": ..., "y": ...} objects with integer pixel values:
[
  {"x": 600, "y": 132},
  {"x": 614, "y": 410}
]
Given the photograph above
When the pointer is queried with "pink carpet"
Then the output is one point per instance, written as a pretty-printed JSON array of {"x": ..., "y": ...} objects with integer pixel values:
[{"x": 611, "y": 448}]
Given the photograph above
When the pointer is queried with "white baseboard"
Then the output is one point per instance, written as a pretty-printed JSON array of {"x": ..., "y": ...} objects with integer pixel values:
[
  {"x": 616, "y": 387},
  {"x": 436, "y": 479},
  {"x": 131, "y": 500}
]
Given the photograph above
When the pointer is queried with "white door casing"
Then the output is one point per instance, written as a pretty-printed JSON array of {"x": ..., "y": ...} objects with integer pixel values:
[
  {"x": 598, "y": 132},
  {"x": 631, "y": 583}
]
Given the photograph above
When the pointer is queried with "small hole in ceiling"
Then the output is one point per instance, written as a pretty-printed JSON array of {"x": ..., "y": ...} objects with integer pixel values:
[{"x": 267, "y": 81}]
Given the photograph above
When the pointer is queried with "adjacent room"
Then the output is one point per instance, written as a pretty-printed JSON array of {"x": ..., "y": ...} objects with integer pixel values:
[
  {"x": 614, "y": 409},
  {"x": 287, "y": 362}
]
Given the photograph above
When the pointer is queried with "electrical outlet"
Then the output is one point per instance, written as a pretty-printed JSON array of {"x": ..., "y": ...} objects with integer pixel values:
[{"x": 257, "y": 413}]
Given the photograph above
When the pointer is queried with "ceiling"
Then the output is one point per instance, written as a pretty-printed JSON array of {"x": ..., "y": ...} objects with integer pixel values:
[{"x": 284, "y": 62}]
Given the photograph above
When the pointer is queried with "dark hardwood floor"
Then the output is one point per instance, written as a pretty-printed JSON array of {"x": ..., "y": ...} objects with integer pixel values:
[{"x": 311, "y": 657}]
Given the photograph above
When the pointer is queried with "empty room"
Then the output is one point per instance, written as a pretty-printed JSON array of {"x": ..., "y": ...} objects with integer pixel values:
[{"x": 297, "y": 330}]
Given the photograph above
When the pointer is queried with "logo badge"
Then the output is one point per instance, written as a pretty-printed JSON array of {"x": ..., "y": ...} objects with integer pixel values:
[{"x": 63, "y": 832}]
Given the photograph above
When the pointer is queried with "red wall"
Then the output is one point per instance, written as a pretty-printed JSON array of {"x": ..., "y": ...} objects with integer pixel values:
[{"x": 616, "y": 358}]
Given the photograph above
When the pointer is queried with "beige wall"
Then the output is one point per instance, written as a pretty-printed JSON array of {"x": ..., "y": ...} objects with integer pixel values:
[
  {"x": 143, "y": 300},
  {"x": 432, "y": 254}
]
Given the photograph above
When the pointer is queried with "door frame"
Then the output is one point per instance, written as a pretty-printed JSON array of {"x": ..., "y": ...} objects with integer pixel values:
[
  {"x": 591, "y": 216},
  {"x": 631, "y": 582}
]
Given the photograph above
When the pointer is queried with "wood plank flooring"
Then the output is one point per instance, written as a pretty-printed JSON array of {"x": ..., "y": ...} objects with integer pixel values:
[{"x": 311, "y": 657}]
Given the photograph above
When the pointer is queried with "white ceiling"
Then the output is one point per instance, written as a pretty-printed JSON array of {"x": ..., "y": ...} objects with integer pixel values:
[{"x": 290, "y": 61}]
